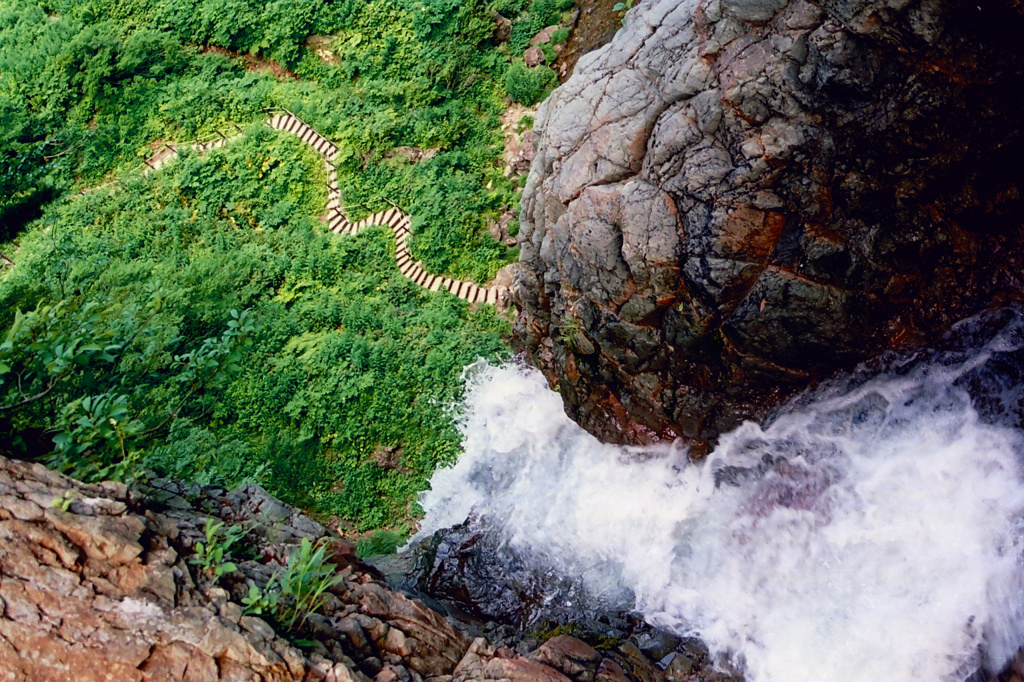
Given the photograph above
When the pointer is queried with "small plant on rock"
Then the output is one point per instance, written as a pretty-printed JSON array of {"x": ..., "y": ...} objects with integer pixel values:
[
  {"x": 623, "y": 7},
  {"x": 63, "y": 502},
  {"x": 300, "y": 590},
  {"x": 381, "y": 542},
  {"x": 260, "y": 602},
  {"x": 304, "y": 582},
  {"x": 569, "y": 328},
  {"x": 210, "y": 555},
  {"x": 571, "y": 334},
  {"x": 529, "y": 85},
  {"x": 524, "y": 124}
]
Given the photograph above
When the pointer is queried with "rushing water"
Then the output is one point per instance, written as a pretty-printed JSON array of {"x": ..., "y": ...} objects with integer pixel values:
[{"x": 873, "y": 531}]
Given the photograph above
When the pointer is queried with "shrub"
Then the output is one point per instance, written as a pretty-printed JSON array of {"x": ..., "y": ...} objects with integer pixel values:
[
  {"x": 381, "y": 542},
  {"x": 126, "y": 352},
  {"x": 211, "y": 556},
  {"x": 549, "y": 53},
  {"x": 522, "y": 31},
  {"x": 528, "y": 86},
  {"x": 509, "y": 8},
  {"x": 298, "y": 591},
  {"x": 541, "y": 14}
]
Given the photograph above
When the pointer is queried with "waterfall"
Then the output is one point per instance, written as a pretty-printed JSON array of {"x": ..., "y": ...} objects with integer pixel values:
[{"x": 871, "y": 530}]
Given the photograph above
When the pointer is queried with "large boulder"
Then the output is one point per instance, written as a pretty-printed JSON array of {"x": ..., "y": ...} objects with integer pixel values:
[{"x": 735, "y": 198}]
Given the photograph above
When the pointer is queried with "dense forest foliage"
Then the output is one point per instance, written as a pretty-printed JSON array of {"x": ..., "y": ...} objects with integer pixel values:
[
  {"x": 202, "y": 322},
  {"x": 88, "y": 84}
]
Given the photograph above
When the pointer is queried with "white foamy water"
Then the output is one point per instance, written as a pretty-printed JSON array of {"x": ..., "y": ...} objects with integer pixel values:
[{"x": 873, "y": 533}]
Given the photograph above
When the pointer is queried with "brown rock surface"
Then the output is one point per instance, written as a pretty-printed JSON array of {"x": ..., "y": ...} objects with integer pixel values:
[
  {"x": 95, "y": 585},
  {"x": 544, "y": 36},
  {"x": 732, "y": 200},
  {"x": 483, "y": 662},
  {"x": 533, "y": 56},
  {"x": 91, "y": 593},
  {"x": 518, "y": 143},
  {"x": 502, "y": 29},
  {"x": 593, "y": 24}
]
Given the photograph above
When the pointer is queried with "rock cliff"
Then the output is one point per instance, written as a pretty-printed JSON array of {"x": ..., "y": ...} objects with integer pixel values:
[
  {"x": 735, "y": 198},
  {"x": 95, "y": 584},
  {"x": 98, "y": 582}
]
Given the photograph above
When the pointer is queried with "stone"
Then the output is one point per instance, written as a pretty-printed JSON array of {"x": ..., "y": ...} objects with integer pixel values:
[
  {"x": 753, "y": 11},
  {"x": 544, "y": 35},
  {"x": 502, "y": 29},
  {"x": 534, "y": 56},
  {"x": 610, "y": 671},
  {"x": 735, "y": 199},
  {"x": 110, "y": 593},
  {"x": 568, "y": 655},
  {"x": 481, "y": 663},
  {"x": 439, "y": 646},
  {"x": 105, "y": 589},
  {"x": 519, "y": 140},
  {"x": 679, "y": 668},
  {"x": 636, "y": 666}
]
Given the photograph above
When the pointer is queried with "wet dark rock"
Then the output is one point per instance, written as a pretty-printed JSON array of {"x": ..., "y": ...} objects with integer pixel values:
[
  {"x": 733, "y": 200},
  {"x": 524, "y": 610},
  {"x": 657, "y": 644},
  {"x": 458, "y": 566}
]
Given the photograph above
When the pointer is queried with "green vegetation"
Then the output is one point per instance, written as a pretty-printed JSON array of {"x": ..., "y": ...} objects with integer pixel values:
[
  {"x": 64, "y": 501},
  {"x": 524, "y": 124},
  {"x": 531, "y": 19},
  {"x": 211, "y": 556},
  {"x": 90, "y": 83},
  {"x": 380, "y": 542},
  {"x": 201, "y": 322},
  {"x": 547, "y": 631},
  {"x": 623, "y": 7},
  {"x": 524, "y": 84},
  {"x": 528, "y": 86},
  {"x": 571, "y": 334},
  {"x": 293, "y": 594}
]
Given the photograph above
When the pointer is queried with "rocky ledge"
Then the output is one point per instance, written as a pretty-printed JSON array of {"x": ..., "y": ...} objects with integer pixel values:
[
  {"x": 99, "y": 582},
  {"x": 735, "y": 198}
]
